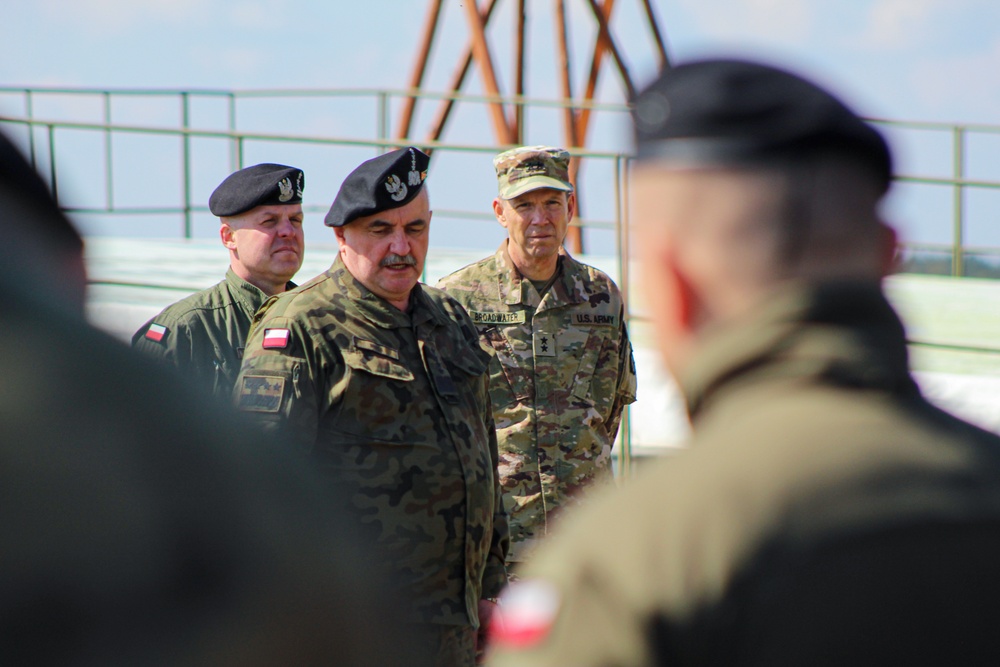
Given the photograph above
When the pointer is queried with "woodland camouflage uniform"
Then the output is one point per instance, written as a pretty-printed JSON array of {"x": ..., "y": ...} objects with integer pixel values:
[{"x": 392, "y": 406}]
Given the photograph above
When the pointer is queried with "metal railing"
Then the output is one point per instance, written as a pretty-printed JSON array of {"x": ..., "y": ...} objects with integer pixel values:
[
  {"x": 957, "y": 250},
  {"x": 108, "y": 127},
  {"x": 615, "y": 188}
]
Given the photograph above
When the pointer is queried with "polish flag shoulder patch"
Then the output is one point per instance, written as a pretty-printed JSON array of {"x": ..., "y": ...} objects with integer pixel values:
[
  {"x": 156, "y": 332},
  {"x": 528, "y": 610},
  {"x": 276, "y": 339}
]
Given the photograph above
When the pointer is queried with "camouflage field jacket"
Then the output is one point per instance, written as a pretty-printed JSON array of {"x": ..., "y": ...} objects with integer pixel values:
[
  {"x": 560, "y": 379},
  {"x": 393, "y": 406}
]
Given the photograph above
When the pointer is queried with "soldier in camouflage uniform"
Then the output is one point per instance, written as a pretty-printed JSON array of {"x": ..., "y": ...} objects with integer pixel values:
[
  {"x": 382, "y": 383},
  {"x": 562, "y": 372},
  {"x": 202, "y": 336}
]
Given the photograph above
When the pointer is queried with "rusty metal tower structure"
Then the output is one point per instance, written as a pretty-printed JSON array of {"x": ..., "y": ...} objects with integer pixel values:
[{"x": 508, "y": 119}]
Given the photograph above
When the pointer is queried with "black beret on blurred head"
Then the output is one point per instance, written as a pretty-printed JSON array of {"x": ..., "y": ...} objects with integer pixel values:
[
  {"x": 385, "y": 182},
  {"x": 738, "y": 112},
  {"x": 259, "y": 185}
]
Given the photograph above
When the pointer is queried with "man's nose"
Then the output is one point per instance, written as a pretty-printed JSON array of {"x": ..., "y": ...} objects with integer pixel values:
[
  {"x": 539, "y": 216},
  {"x": 286, "y": 228},
  {"x": 400, "y": 243}
]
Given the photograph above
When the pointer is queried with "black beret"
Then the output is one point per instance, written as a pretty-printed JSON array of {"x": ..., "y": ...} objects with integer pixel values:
[
  {"x": 388, "y": 181},
  {"x": 734, "y": 111},
  {"x": 259, "y": 185}
]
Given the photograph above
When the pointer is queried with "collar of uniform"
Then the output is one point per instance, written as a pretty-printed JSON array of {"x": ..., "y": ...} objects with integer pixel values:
[
  {"x": 844, "y": 332},
  {"x": 513, "y": 287},
  {"x": 248, "y": 294},
  {"x": 373, "y": 307},
  {"x": 509, "y": 280}
]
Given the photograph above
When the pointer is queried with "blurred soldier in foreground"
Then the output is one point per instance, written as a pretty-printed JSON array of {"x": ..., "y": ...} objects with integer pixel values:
[
  {"x": 382, "y": 383},
  {"x": 146, "y": 528},
  {"x": 203, "y": 335},
  {"x": 825, "y": 513},
  {"x": 563, "y": 370}
]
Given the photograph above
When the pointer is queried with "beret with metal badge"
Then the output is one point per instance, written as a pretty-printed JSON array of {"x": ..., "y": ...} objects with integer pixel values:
[
  {"x": 259, "y": 185},
  {"x": 385, "y": 182},
  {"x": 740, "y": 112}
]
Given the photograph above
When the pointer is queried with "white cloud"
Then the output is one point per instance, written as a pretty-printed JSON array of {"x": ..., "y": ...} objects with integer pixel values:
[
  {"x": 110, "y": 16},
  {"x": 240, "y": 62},
  {"x": 894, "y": 24},
  {"x": 962, "y": 87},
  {"x": 784, "y": 22},
  {"x": 253, "y": 16}
]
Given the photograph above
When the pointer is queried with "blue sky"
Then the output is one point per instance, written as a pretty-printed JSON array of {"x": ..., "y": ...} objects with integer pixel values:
[{"x": 926, "y": 60}]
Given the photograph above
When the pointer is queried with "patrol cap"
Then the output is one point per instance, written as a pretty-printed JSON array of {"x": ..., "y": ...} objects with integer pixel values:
[
  {"x": 385, "y": 182},
  {"x": 528, "y": 168},
  {"x": 259, "y": 185},
  {"x": 735, "y": 111}
]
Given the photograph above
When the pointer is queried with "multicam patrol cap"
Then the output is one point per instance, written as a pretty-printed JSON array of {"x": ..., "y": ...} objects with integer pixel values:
[
  {"x": 259, "y": 185},
  {"x": 741, "y": 112},
  {"x": 385, "y": 182},
  {"x": 528, "y": 168}
]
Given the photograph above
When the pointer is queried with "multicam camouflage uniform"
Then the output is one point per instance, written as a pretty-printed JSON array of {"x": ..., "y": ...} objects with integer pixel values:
[
  {"x": 394, "y": 407},
  {"x": 203, "y": 335},
  {"x": 561, "y": 376}
]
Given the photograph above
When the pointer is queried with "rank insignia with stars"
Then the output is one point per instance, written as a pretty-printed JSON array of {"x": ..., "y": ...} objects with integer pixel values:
[{"x": 544, "y": 344}]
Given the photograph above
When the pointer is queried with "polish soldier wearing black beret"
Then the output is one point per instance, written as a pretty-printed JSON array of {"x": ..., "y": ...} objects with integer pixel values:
[
  {"x": 203, "y": 335},
  {"x": 825, "y": 513},
  {"x": 382, "y": 383}
]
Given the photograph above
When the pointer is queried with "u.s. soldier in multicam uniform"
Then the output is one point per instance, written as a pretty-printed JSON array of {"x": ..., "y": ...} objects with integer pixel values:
[
  {"x": 383, "y": 383},
  {"x": 562, "y": 372},
  {"x": 202, "y": 336}
]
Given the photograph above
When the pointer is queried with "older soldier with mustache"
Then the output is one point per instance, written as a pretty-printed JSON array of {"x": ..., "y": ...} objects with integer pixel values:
[{"x": 382, "y": 382}]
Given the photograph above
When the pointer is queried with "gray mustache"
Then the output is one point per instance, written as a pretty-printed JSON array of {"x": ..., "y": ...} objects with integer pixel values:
[{"x": 398, "y": 259}]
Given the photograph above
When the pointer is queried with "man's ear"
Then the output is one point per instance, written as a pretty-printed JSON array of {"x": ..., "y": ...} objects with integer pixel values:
[
  {"x": 889, "y": 249},
  {"x": 228, "y": 235},
  {"x": 498, "y": 211},
  {"x": 338, "y": 233},
  {"x": 687, "y": 303},
  {"x": 571, "y": 205}
]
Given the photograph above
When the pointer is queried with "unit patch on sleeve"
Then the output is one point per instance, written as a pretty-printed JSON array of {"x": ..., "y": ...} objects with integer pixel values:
[
  {"x": 261, "y": 393},
  {"x": 156, "y": 332},
  {"x": 494, "y": 317},
  {"x": 595, "y": 319},
  {"x": 276, "y": 338}
]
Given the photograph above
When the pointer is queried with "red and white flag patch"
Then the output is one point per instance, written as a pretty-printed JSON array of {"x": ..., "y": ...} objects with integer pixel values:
[
  {"x": 527, "y": 612},
  {"x": 156, "y": 332},
  {"x": 276, "y": 338}
]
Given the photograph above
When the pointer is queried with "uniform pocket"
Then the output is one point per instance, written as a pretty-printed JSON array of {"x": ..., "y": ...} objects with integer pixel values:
[
  {"x": 510, "y": 381},
  {"x": 586, "y": 346}
]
